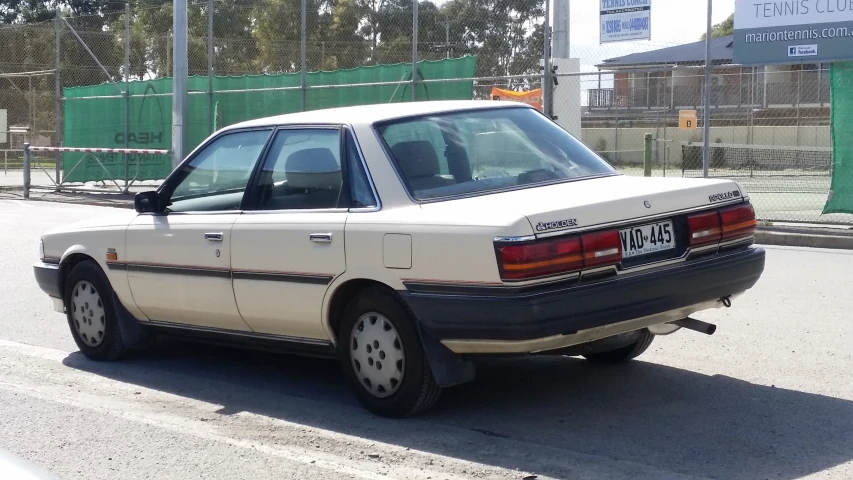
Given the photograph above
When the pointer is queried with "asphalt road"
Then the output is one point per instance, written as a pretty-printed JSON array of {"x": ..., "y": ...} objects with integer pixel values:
[{"x": 769, "y": 396}]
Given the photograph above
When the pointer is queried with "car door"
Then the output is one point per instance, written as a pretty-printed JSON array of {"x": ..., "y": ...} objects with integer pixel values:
[
  {"x": 289, "y": 246},
  {"x": 179, "y": 261}
]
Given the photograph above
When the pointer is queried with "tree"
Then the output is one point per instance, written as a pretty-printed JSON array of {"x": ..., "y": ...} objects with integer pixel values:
[
  {"x": 235, "y": 48},
  {"x": 338, "y": 43},
  {"x": 263, "y": 36},
  {"x": 277, "y": 31},
  {"x": 395, "y": 27},
  {"x": 506, "y": 36},
  {"x": 371, "y": 11},
  {"x": 722, "y": 29}
]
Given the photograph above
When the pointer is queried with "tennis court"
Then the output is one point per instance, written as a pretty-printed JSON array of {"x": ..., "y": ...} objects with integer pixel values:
[{"x": 782, "y": 195}]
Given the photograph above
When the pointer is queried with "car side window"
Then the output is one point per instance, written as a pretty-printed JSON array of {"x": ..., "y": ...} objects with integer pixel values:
[
  {"x": 361, "y": 195},
  {"x": 216, "y": 178},
  {"x": 418, "y": 140},
  {"x": 302, "y": 170}
]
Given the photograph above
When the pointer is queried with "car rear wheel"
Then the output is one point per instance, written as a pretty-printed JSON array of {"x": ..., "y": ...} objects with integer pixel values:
[
  {"x": 382, "y": 356},
  {"x": 91, "y": 312},
  {"x": 623, "y": 354}
]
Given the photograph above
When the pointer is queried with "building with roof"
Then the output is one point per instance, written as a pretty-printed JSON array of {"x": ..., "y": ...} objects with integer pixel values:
[{"x": 672, "y": 79}]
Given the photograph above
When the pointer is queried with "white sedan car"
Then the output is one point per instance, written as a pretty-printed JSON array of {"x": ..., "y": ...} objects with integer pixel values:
[{"x": 405, "y": 240}]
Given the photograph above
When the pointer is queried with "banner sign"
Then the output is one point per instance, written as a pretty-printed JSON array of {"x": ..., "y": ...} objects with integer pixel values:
[
  {"x": 94, "y": 115},
  {"x": 792, "y": 31},
  {"x": 624, "y": 20},
  {"x": 533, "y": 97},
  {"x": 840, "y": 199}
]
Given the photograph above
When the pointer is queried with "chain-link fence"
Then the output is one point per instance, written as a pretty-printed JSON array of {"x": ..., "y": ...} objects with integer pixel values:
[
  {"x": 769, "y": 129},
  {"x": 27, "y": 93},
  {"x": 99, "y": 77}
]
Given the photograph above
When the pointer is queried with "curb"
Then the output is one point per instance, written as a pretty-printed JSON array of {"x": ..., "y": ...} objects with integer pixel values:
[
  {"x": 803, "y": 239},
  {"x": 116, "y": 200}
]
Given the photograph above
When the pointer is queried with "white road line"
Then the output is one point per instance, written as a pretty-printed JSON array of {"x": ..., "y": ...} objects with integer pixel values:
[
  {"x": 136, "y": 403},
  {"x": 34, "y": 350},
  {"x": 105, "y": 396},
  {"x": 198, "y": 429},
  {"x": 18, "y": 202}
]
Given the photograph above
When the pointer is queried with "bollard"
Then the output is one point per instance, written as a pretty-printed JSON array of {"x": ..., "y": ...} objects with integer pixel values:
[
  {"x": 647, "y": 155},
  {"x": 26, "y": 170}
]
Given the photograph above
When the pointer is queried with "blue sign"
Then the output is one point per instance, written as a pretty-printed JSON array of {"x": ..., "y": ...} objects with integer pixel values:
[{"x": 625, "y": 20}]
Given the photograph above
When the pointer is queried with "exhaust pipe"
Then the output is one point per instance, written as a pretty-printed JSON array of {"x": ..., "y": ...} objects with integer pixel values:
[{"x": 696, "y": 325}]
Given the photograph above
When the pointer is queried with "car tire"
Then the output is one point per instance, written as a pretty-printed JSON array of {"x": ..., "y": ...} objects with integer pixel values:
[
  {"x": 91, "y": 313},
  {"x": 623, "y": 354},
  {"x": 377, "y": 327}
]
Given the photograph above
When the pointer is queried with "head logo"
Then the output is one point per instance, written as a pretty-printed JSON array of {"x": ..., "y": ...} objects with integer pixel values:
[
  {"x": 647, "y": 204},
  {"x": 545, "y": 226},
  {"x": 153, "y": 134}
]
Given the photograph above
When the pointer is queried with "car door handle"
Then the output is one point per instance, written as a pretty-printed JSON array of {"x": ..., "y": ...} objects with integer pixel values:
[
  {"x": 321, "y": 237},
  {"x": 213, "y": 237}
]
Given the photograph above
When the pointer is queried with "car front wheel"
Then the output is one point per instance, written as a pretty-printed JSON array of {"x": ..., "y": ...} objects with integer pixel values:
[
  {"x": 91, "y": 312},
  {"x": 382, "y": 356}
]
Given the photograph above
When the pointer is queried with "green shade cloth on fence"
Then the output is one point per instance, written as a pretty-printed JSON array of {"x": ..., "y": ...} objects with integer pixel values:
[
  {"x": 841, "y": 191},
  {"x": 99, "y": 122}
]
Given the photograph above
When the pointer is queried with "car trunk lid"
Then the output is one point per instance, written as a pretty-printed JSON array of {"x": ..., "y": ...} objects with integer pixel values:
[
  {"x": 603, "y": 201},
  {"x": 593, "y": 202}
]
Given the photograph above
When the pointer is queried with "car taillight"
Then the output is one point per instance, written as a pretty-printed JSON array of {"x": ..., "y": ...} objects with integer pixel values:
[
  {"x": 721, "y": 225},
  {"x": 738, "y": 221},
  {"x": 541, "y": 258},
  {"x": 704, "y": 228},
  {"x": 602, "y": 248},
  {"x": 559, "y": 256}
]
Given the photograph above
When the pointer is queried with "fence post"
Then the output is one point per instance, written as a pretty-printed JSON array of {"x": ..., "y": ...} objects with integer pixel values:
[
  {"x": 33, "y": 131},
  {"x": 302, "y": 47},
  {"x": 706, "y": 111},
  {"x": 179, "y": 81},
  {"x": 819, "y": 78},
  {"x": 210, "y": 64},
  {"x": 414, "y": 50},
  {"x": 26, "y": 170},
  {"x": 647, "y": 155},
  {"x": 616, "y": 143},
  {"x": 58, "y": 96},
  {"x": 126, "y": 96}
]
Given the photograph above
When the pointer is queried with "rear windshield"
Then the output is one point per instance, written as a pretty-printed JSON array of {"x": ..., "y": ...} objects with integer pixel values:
[{"x": 481, "y": 151}]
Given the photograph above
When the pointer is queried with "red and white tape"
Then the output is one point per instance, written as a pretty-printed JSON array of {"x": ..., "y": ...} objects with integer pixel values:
[{"x": 99, "y": 150}]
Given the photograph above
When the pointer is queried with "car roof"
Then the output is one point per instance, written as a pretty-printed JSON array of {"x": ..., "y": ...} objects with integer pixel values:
[{"x": 368, "y": 114}]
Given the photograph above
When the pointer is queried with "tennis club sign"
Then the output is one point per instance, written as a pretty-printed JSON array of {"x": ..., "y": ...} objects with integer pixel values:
[
  {"x": 793, "y": 31},
  {"x": 624, "y": 20}
]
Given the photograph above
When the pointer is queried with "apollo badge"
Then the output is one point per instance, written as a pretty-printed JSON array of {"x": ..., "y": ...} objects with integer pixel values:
[{"x": 721, "y": 197}]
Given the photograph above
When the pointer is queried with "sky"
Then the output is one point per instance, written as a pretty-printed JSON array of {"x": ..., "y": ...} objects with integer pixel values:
[{"x": 673, "y": 22}]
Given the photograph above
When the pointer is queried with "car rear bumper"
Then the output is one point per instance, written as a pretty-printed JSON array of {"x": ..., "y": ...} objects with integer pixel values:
[
  {"x": 47, "y": 277},
  {"x": 545, "y": 319}
]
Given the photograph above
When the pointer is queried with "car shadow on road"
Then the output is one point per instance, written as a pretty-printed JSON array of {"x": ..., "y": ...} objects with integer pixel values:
[{"x": 547, "y": 415}]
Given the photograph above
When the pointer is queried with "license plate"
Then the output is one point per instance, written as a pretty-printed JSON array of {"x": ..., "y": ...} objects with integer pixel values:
[{"x": 646, "y": 239}]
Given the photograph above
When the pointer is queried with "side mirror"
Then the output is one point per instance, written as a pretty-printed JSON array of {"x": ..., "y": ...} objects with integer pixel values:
[{"x": 147, "y": 202}]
